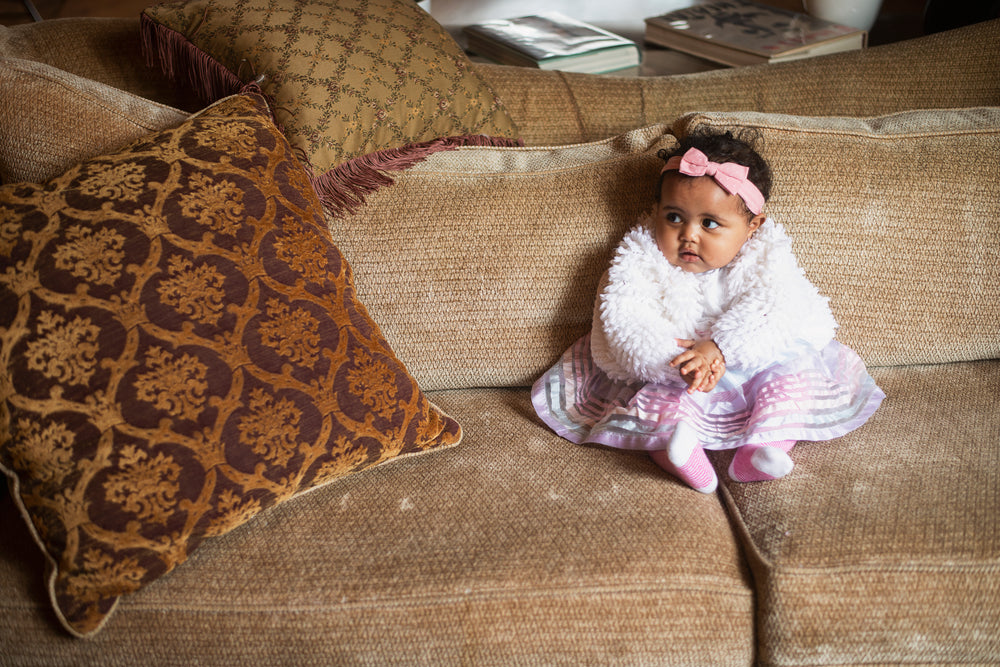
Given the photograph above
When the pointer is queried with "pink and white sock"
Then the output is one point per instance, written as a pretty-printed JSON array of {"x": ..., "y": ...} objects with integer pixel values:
[
  {"x": 686, "y": 460},
  {"x": 757, "y": 463}
]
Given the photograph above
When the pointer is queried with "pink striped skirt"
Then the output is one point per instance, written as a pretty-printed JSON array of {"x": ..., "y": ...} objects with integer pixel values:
[{"x": 812, "y": 396}]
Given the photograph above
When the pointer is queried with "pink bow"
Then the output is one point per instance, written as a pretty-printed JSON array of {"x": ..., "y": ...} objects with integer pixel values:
[{"x": 730, "y": 176}]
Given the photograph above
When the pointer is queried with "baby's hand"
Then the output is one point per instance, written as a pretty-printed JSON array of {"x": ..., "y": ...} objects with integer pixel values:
[{"x": 701, "y": 365}]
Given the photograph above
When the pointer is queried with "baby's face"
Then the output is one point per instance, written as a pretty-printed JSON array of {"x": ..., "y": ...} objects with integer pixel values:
[{"x": 700, "y": 226}]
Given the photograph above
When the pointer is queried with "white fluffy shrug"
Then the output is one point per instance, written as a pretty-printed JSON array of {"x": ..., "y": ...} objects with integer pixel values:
[{"x": 758, "y": 309}]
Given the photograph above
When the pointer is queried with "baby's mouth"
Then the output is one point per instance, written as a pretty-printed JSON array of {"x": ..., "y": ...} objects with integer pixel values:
[{"x": 688, "y": 256}]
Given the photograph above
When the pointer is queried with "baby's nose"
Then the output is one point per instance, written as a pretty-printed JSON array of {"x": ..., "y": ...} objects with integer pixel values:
[{"x": 689, "y": 231}]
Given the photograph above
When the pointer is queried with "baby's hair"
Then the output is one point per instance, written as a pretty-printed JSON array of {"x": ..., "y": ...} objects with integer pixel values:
[{"x": 726, "y": 147}]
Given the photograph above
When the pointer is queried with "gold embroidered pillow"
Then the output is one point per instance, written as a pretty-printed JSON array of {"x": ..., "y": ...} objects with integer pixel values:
[
  {"x": 182, "y": 348},
  {"x": 347, "y": 77}
]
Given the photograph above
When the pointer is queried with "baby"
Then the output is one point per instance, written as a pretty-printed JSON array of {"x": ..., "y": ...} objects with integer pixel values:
[{"x": 707, "y": 333}]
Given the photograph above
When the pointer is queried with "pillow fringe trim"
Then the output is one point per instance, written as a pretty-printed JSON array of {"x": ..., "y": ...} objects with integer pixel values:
[
  {"x": 184, "y": 63},
  {"x": 343, "y": 189}
]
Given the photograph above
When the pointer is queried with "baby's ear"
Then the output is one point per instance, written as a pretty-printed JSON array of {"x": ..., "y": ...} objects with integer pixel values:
[{"x": 756, "y": 222}]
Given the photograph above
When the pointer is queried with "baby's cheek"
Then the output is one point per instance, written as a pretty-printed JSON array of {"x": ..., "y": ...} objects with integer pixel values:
[{"x": 662, "y": 242}]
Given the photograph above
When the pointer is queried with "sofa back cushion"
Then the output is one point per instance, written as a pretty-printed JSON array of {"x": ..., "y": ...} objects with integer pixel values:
[
  {"x": 104, "y": 49},
  {"x": 957, "y": 68},
  {"x": 481, "y": 264},
  {"x": 58, "y": 119},
  {"x": 895, "y": 219}
]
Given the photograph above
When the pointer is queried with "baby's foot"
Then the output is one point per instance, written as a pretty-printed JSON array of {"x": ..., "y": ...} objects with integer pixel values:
[
  {"x": 756, "y": 463},
  {"x": 685, "y": 459}
]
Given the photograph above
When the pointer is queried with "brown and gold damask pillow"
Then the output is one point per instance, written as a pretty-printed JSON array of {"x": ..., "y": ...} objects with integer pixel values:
[
  {"x": 347, "y": 77},
  {"x": 181, "y": 348}
]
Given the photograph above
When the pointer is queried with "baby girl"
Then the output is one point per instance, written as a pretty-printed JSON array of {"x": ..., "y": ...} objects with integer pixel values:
[{"x": 707, "y": 333}]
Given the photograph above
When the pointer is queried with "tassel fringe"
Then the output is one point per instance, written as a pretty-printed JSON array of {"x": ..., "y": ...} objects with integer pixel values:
[
  {"x": 343, "y": 189},
  {"x": 184, "y": 63}
]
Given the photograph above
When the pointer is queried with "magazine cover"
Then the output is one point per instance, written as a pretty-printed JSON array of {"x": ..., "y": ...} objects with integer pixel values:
[
  {"x": 747, "y": 26},
  {"x": 545, "y": 36}
]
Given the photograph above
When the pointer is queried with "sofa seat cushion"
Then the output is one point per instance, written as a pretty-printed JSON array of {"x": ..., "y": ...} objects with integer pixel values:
[
  {"x": 515, "y": 548},
  {"x": 882, "y": 547},
  {"x": 58, "y": 119}
]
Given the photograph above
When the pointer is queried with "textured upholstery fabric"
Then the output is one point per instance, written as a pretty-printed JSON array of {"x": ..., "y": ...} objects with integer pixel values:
[
  {"x": 106, "y": 50},
  {"x": 520, "y": 548},
  {"x": 559, "y": 108},
  {"x": 884, "y": 212},
  {"x": 182, "y": 348},
  {"x": 505, "y": 279},
  {"x": 515, "y": 548},
  {"x": 348, "y": 77},
  {"x": 883, "y": 547},
  {"x": 954, "y": 69},
  {"x": 58, "y": 119}
]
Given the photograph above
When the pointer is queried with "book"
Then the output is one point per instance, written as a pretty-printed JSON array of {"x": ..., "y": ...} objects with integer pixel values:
[
  {"x": 552, "y": 41},
  {"x": 738, "y": 32}
]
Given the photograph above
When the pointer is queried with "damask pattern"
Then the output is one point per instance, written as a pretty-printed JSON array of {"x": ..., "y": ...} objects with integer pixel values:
[
  {"x": 348, "y": 77},
  {"x": 182, "y": 348}
]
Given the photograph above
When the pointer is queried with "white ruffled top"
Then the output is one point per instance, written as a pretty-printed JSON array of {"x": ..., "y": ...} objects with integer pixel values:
[{"x": 759, "y": 309}]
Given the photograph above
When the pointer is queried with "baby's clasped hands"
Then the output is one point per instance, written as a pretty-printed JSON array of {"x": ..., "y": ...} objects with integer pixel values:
[{"x": 701, "y": 365}]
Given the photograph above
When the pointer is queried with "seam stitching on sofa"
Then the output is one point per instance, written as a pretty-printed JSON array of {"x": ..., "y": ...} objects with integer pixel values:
[
  {"x": 450, "y": 598},
  {"x": 523, "y": 174},
  {"x": 855, "y": 133},
  {"x": 801, "y": 571},
  {"x": 576, "y": 106}
]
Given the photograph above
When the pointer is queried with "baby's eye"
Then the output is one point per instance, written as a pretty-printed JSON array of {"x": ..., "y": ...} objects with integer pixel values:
[
  {"x": 709, "y": 223},
  {"x": 672, "y": 218}
]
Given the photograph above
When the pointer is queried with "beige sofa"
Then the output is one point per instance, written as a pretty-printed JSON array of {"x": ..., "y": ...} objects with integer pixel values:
[{"x": 480, "y": 264}]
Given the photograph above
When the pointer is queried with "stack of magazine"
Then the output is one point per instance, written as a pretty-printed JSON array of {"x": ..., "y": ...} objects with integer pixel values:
[
  {"x": 737, "y": 32},
  {"x": 552, "y": 41}
]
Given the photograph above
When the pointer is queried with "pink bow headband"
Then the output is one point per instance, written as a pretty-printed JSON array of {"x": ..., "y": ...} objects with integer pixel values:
[{"x": 730, "y": 176}]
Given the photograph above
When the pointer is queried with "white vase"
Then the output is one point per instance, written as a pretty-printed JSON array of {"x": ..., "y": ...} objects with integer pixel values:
[{"x": 855, "y": 13}]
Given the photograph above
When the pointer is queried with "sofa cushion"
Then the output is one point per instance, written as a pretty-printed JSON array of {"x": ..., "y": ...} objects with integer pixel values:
[
  {"x": 104, "y": 49},
  {"x": 889, "y": 216},
  {"x": 504, "y": 279},
  {"x": 517, "y": 548},
  {"x": 552, "y": 107},
  {"x": 951, "y": 69},
  {"x": 348, "y": 77},
  {"x": 882, "y": 547},
  {"x": 182, "y": 348},
  {"x": 58, "y": 119}
]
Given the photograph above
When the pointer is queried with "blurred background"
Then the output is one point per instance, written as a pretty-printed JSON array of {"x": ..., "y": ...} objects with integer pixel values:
[{"x": 898, "y": 19}]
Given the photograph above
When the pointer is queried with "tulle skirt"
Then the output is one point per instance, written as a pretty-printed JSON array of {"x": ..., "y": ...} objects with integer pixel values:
[{"x": 815, "y": 395}]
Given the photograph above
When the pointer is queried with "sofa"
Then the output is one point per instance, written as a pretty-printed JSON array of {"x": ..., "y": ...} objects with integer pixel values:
[{"x": 477, "y": 535}]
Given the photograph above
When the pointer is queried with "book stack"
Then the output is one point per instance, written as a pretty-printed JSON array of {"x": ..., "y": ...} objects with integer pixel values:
[
  {"x": 552, "y": 41},
  {"x": 737, "y": 32}
]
